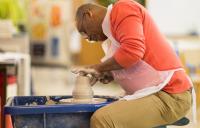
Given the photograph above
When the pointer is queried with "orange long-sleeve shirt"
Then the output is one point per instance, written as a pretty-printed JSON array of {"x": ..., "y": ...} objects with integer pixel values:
[{"x": 140, "y": 38}]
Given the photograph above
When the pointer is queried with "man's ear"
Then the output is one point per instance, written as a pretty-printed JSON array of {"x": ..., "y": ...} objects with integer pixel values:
[{"x": 88, "y": 13}]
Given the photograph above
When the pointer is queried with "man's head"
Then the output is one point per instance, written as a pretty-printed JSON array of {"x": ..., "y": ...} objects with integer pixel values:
[{"x": 89, "y": 18}]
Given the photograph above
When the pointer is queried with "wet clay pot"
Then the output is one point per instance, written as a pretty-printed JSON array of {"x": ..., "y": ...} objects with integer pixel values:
[{"x": 82, "y": 91}]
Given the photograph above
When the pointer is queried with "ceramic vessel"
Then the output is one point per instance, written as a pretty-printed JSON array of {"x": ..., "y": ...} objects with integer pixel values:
[{"x": 82, "y": 91}]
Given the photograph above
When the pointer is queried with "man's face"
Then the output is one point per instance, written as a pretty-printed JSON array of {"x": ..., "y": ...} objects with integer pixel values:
[{"x": 90, "y": 28}]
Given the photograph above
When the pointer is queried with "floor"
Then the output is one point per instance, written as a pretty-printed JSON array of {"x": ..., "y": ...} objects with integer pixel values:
[{"x": 59, "y": 81}]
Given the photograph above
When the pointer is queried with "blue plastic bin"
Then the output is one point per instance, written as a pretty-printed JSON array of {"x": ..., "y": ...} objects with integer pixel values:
[{"x": 51, "y": 116}]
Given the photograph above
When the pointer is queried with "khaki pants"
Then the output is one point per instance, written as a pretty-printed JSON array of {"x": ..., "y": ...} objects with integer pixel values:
[{"x": 151, "y": 111}]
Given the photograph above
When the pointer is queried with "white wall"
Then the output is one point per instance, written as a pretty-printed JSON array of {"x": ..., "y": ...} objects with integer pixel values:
[{"x": 176, "y": 17}]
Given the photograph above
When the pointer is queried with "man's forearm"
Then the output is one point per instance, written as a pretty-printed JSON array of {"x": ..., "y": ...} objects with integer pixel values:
[{"x": 108, "y": 65}]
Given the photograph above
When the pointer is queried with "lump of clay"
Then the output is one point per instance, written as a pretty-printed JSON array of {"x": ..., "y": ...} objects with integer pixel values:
[
  {"x": 49, "y": 101},
  {"x": 31, "y": 104},
  {"x": 82, "y": 91}
]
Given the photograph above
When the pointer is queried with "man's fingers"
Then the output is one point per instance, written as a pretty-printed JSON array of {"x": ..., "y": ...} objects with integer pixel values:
[
  {"x": 81, "y": 73},
  {"x": 84, "y": 71},
  {"x": 105, "y": 81},
  {"x": 93, "y": 81},
  {"x": 76, "y": 70}
]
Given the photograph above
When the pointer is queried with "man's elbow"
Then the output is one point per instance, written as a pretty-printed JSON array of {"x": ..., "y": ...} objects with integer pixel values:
[{"x": 127, "y": 60}]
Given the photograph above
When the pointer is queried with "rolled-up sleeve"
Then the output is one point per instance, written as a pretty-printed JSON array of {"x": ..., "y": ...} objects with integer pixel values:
[{"x": 127, "y": 29}]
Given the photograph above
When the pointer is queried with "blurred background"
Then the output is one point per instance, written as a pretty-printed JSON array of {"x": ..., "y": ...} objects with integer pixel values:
[{"x": 39, "y": 44}]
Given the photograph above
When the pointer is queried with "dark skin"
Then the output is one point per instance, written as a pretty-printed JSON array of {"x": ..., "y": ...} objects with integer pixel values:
[{"x": 90, "y": 26}]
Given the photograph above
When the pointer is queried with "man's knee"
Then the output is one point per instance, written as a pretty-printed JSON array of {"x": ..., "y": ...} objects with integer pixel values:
[{"x": 100, "y": 119}]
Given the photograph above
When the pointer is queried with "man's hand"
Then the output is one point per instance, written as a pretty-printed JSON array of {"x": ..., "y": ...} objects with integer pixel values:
[
  {"x": 95, "y": 76},
  {"x": 106, "y": 77},
  {"x": 88, "y": 71},
  {"x": 84, "y": 71}
]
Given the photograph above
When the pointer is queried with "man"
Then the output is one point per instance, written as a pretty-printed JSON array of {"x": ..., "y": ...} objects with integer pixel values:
[{"x": 139, "y": 58}]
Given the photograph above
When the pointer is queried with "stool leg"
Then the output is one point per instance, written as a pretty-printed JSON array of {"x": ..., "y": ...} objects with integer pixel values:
[{"x": 8, "y": 121}]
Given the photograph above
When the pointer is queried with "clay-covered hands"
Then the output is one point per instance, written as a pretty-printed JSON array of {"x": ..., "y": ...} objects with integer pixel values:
[
  {"x": 92, "y": 73},
  {"x": 106, "y": 77},
  {"x": 95, "y": 76},
  {"x": 85, "y": 71}
]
